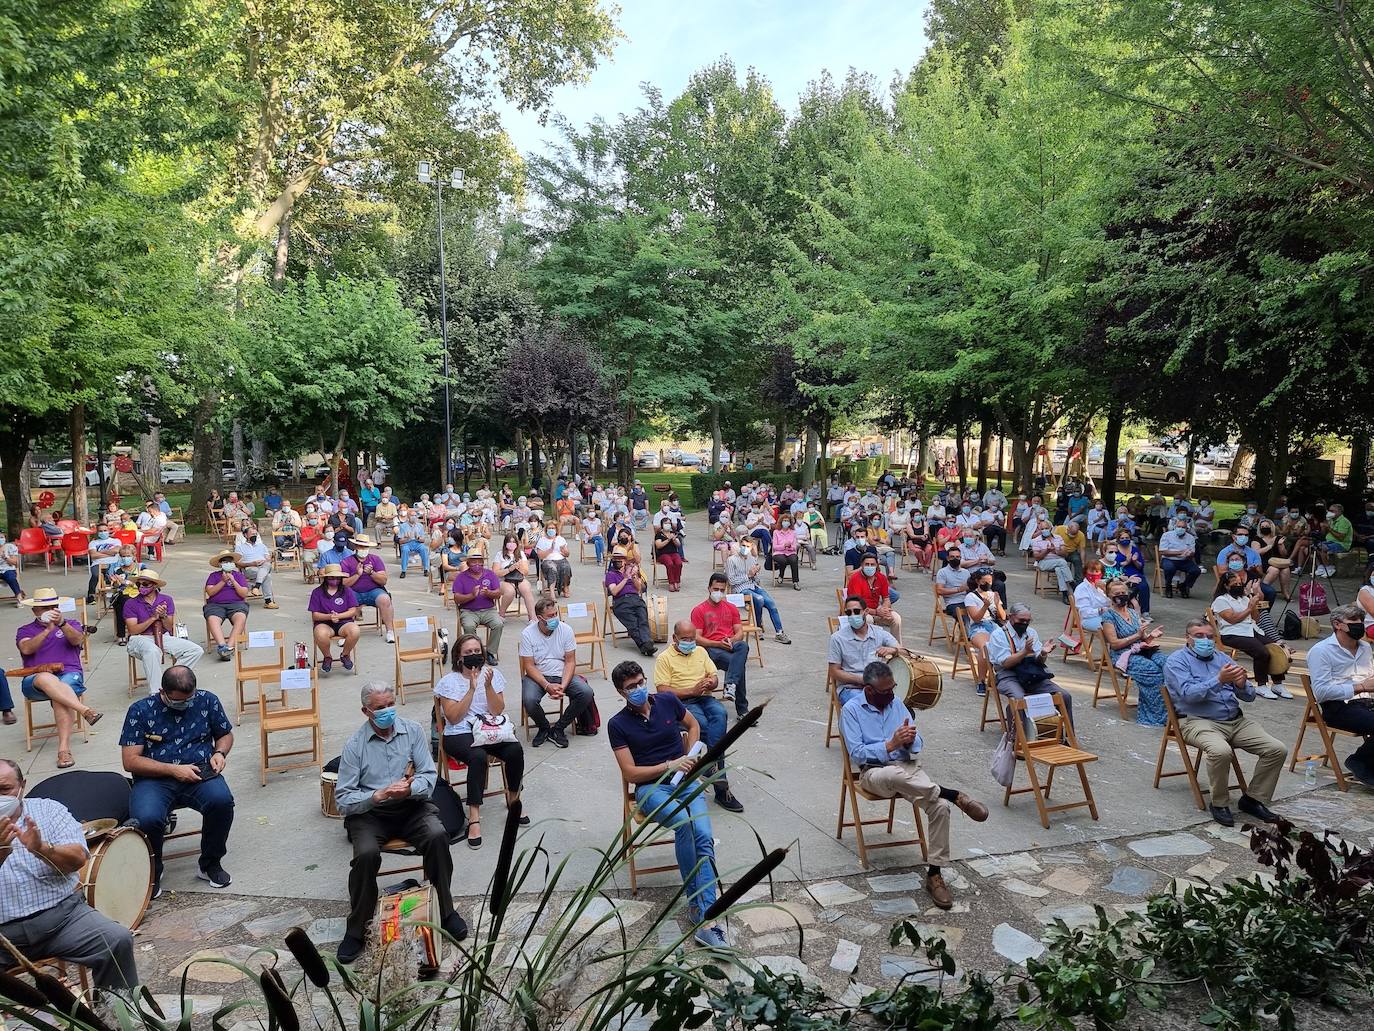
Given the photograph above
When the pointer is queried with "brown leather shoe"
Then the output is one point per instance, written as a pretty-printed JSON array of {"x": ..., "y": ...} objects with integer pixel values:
[
  {"x": 971, "y": 807},
  {"x": 939, "y": 891}
]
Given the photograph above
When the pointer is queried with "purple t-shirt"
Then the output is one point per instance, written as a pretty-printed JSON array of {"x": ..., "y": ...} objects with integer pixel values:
[
  {"x": 226, "y": 595},
  {"x": 140, "y": 609},
  {"x": 365, "y": 582},
  {"x": 330, "y": 604},
  {"x": 55, "y": 649},
  {"x": 614, "y": 576},
  {"x": 467, "y": 583}
]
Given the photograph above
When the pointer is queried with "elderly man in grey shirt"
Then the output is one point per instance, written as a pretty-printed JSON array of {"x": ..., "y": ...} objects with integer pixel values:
[{"x": 386, "y": 778}]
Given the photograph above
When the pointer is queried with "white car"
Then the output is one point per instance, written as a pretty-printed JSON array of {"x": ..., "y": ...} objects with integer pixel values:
[
  {"x": 690, "y": 461},
  {"x": 176, "y": 472},
  {"x": 1168, "y": 467},
  {"x": 647, "y": 461},
  {"x": 59, "y": 474}
]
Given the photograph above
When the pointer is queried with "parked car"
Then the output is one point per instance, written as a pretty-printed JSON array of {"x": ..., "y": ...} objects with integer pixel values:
[
  {"x": 672, "y": 455},
  {"x": 176, "y": 472},
  {"x": 648, "y": 461},
  {"x": 690, "y": 461},
  {"x": 228, "y": 473},
  {"x": 1168, "y": 467},
  {"x": 59, "y": 474}
]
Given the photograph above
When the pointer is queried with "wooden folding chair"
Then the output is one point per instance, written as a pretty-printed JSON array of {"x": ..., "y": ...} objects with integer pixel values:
[
  {"x": 1216, "y": 629},
  {"x": 589, "y": 634},
  {"x": 36, "y": 731},
  {"x": 631, "y": 818},
  {"x": 136, "y": 677},
  {"x": 1119, "y": 683},
  {"x": 938, "y": 613},
  {"x": 753, "y": 631},
  {"x": 1312, "y": 717},
  {"x": 963, "y": 646},
  {"x": 494, "y": 764},
  {"x": 1191, "y": 755},
  {"x": 1051, "y": 586},
  {"x": 1051, "y": 753},
  {"x": 263, "y": 668},
  {"x": 297, "y": 708},
  {"x": 608, "y": 623},
  {"x": 832, "y": 717},
  {"x": 417, "y": 640},
  {"x": 850, "y": 793},
  {"x": 1158, "y": 584},
  {"x": 995, "y": 697},
  {"x": 1073, "y": 627}
]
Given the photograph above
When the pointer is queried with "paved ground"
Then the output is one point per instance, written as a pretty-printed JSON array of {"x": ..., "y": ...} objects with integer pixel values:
[{"x": 287, "y": 858}]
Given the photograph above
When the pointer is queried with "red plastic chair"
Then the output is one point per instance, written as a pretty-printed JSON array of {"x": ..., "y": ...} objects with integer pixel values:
[
  {"x": 74, "y": 545},
  {"x": 33, "y": 541},
  {"x": 151, "y": 540},
  {"x": 126, "y": 536}
]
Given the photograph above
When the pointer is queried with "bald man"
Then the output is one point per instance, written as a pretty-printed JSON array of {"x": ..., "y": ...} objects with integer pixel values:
[{"x": 687, "y": 671}]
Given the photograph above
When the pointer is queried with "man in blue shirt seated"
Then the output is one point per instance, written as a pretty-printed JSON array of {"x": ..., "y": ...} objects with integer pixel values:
[
  {"x": 175, "y": 744},
  {"x": 1206, "y": 691},
  {"x": 646, "y": 740},
  {"x": 879, "y": 737},
  {"x": 335, "y": 556}
]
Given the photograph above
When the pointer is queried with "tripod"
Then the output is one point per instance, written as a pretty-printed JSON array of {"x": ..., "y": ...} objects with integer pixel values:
[{"x": 1308, "y": 572}]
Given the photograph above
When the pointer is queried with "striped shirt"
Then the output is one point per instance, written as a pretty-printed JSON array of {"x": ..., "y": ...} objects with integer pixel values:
[{"x": 29, "y": 884}]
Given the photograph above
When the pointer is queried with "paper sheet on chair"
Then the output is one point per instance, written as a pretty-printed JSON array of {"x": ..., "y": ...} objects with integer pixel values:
[
  {"x": 736, "y": 600},
  {"x": 262, "y": 638},
  {"x": 577, "y": 610},
  {"x": 295, "y": 679},
  {"x": 417, "y": 625},
  {"x": 1040, "y": 705}
]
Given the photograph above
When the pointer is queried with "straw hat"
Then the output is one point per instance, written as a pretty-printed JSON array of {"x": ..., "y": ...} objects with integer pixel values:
[
  {"x": 150, "y": 576},
  {"x": 362, "y": 540},
  {"x": 44, "y": 597},
  {"x": 333, "y": 569},
  {"x": 227, "y": 553}
]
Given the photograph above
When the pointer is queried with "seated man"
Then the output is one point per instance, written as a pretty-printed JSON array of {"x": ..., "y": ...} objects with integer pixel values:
[
  {"x": 627, "y": 603},
  {"x": 688, "y": 672},
  {"x": 1177, "y": 561},
  {"x": 51, "y": 640},
  {"x": 386, "y": 514},
  {"x": 386, "y": 778},
  {"x": 340, "y": 550},
  {"x": 721, "y": 632},
  {"x": 476, "y": 592},
  {"x": 172, "y": 530},
  {"x": 741, "y": 571},
  {"x": 101, "y": 555},
  {"x": 951, "y": 583},
  {"x": 42, "y": 853},
  {"x": 881, "y": 740},
  {"x": 150, "y": 622},
  {"x": 255, "y": 561},
  {"x": 365, "y": 572},
  {"x": 548, "y": 664},
  {"x": 646, "y": 740},
  {"x": 349, "y": 513},
  {"x": 1340, "y": 536},
  {"x": 1017, "y": 653},
  {"x": 152, "y": 526},
  {"x": 1075, "y": 544},
  {"x": 286, "y": 528},
  {"x": 236, "y": 510},
  {"x": 1342, "y": 683},
  {"x": 1048, "y": 551},
  {"x": 413, "y": 539},
  {"x": 854, "y": 645},
  {"x": 869, "y": 584},
  {"x": 1206, "y": 690},
  {"x": 175, "y": 744}
]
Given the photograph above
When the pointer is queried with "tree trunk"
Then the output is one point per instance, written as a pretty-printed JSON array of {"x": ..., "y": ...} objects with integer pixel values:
[
  {"x": 240, "y": 460},
  {"x": 808, "y": 469},
  {"x": 102, "y": 485},
  {"x": 594, "y": 448},
  {"x": 822, "y": 473},
  {"x": 779, "y": 442},
  {"x": 961, "y": 453},
  {"x": 984, "y": 453},
  {"x": 207, "y": 449},
  {"x": 283, "y": 242},
  {"x": 334, "y": 455},
  {"x": 535, "y": 474},
  {"x": 1357, "y": 479},
  {"x": 922, "y": 449},
  {"x": 1110, "y": 448},
  {"x": 14, "y": 457},
  {"x": 715, "y": 437},
  {"x": 258, "y": 453},
  {"x": 76, "y": 428},
  {"x": 150, "y": 452}
]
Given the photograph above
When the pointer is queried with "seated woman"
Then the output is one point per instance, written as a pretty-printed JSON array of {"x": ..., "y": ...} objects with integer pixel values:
[
  {"x": 48, "y": 524},
  {"x": 453, "y": 557},
  {"x": 475, "y": 690},
  {"x": 919, "y": 543},
  {"x": 724, "y": 536},
  {"x": 668, "y": 551},
  {"x": 226, "y": 598},
  {"x": 986, "y": 613},
  {"x": 334, "y": 611},
  {"x": 1089, "y": 598},
  {"x": 1236, "y": 606},
  {"x": 1364, "y": 598},
  {"x": 784, "y": 555},
  {"x": 1134, "y": 649},
  {"x": 1130, "y": 566},
  {"x": 513, "y": 567}
]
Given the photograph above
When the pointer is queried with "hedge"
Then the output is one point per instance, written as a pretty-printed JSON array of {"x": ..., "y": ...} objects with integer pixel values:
[{"x": 706, "y": 484}]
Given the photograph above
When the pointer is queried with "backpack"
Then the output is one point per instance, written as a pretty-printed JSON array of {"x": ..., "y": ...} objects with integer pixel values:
[
  {"x": 1312, "y": 599},
  {"x": 1292, "y": 626},
  {"x": 452, "y": 812},
  {"x": 589, "y": 722}
]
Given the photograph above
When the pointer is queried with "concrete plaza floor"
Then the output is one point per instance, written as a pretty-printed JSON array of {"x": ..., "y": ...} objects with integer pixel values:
[{"x": 283, "y": 847}]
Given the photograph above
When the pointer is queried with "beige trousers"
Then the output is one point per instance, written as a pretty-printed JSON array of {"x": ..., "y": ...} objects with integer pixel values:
[
  {"x": 908, "y": 780},
  {"x": 1219, "y": 740}
]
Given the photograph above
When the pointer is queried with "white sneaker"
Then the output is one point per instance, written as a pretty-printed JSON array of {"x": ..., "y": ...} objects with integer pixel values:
[
  {"x": 729, "y": 694},
  {"x": 1282, "y": 691},
  {"x": 1264, "y": 692},
  {"x": 390, "y": 637}
]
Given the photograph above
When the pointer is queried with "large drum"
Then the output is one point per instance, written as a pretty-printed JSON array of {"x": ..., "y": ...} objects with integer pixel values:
[
  {"x": 919, "y": 681},
  {"x": 658, "y": 617},
  {"x": 117, "y": 880},
  {"x": 329, "y": 805}
]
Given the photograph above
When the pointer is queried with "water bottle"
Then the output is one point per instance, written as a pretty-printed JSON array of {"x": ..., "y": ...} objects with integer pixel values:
[{"x": 1309, "y": 772}]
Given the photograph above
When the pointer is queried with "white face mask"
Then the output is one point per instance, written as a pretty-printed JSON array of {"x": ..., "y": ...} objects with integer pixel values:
[
  {"x": 717, "y": 596},
  {"x": 9, "y": 806},
  {"x": 228, "y": 567}
]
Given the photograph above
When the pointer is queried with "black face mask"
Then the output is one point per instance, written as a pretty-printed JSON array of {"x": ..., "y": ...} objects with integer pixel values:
[
  {"x": 954, "y": 562},
  {"x": 1120, "y": 600},
  {"x": 473, "y": 661},
  {"x": 878, "y": 700},
  {"x": 1021, "y": 628},
  {"x": 1236, "y": 591}
]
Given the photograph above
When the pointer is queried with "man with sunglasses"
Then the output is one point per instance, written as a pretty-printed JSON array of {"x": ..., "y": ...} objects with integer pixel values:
[
  {"x": 857, "y": 643},
  {"x": 175, "y": 744}
]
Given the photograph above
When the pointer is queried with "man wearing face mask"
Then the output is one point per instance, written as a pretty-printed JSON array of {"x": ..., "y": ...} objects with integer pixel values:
[
  {"x": 386, "y": 778},
  {"x": 548, "y": 667},
  {"x": 1206, "y": 691},
  {"x": 854, "y": 645},
  {"x": 1342, "y": 669},
  {"x": 742, "y": 571},
  {"x": 1048, "y": 549},
  {"x": 102, "y": 554},
  {"x": 413, "y": 540},
  {"x": 366, "y": 574},
  {"x": 42, "y": 852},
  {"x": 872, "y": 586},
  {"x": 1340, "y": 537},
  {"x": 721, "y": 632},
  {"x": 646, "y": 740},
  {"x": 150, "y": 621},
  {"x": 1015, "y": 642},
  {"x": 476, "y": 591},
  {"x": 627, "y": 604},
  {"x": 880, "y": 738},
  {"x": 951, "y": 583},
  {"x": 1177, "y": 547},
  {"x": 176, "y": 744},
  {"x": 688, "y": 672},
  {"x": 251, "y": 556},
  {"x": 342, "y": 549}
]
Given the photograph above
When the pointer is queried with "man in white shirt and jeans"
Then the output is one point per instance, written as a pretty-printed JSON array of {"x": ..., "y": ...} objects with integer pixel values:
[
  {"x": 548, "y": 660},
  {"x": 1342, "y": 672}
]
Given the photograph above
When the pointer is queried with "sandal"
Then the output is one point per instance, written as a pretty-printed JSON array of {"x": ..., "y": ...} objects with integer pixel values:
[
  {"x": 474, "y": 843},
  {"x": 92, "y": 717},
  {"x": 65, "y": 763}
]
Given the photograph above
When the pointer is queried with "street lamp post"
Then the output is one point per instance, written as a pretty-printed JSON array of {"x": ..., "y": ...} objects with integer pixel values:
[{"x": 426, "y": 175}]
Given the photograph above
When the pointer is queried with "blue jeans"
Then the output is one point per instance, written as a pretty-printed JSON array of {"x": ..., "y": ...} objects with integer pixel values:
[
  {"x": 1190, "y": 570},
  {"x": 848, "y": 693},
  {"x": 30, "y": 691},
  {"x": 11, "y": 579},
  {"x": 762, "y": 600},
  {"x": 409, "y": 548},
  {"x": 6, "y": 699},
  {"x": 711, "y": 715},
  {"x": 732, "y": 659},
  {"x": 692, "y": 839},
  {"x": 599, "y": 543},
  {"x": 153, "y": 798}
]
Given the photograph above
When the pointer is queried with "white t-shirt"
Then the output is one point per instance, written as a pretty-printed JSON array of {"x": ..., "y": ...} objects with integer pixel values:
[
  {"x": 1367, "y": 593},
  {"x": 547, "y": 650},
  {"x": 591, "y": 526},
  {"x": 1225, "y": 603},
  {"x": 455, "y": 686},
  {"x": 557, "y": 548}
]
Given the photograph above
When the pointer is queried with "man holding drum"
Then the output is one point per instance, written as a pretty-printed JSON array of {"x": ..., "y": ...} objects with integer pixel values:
[{"x": 42, "y": 851}]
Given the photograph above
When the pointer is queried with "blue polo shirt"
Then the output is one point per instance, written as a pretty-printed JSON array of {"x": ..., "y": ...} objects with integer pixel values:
[
  {"x": 654, "y": 739},
  {"x": 169, "y": 736}
]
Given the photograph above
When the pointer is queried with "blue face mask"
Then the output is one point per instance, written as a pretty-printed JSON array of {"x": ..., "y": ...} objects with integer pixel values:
[
  {"x": 1235, "y": 563},
  {"x": 686, "y": 647},
  {"x": 1242, "y": 540},
  {"x": 857, "y": 620},
  {"x": 385, "y": 719},
  {"x": 551, "y": 623},
  {"x": 104, "y": 535},
  {"x": 638, "y": 696},
  {"x": 1204, "y": 647}
]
